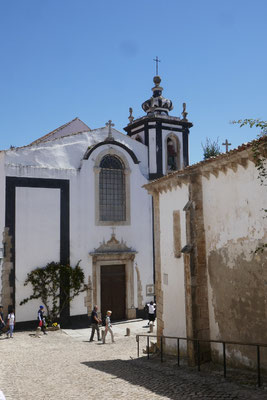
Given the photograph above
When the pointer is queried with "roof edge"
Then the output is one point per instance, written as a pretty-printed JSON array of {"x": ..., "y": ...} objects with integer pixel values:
[{"x": 212, "y": 165}]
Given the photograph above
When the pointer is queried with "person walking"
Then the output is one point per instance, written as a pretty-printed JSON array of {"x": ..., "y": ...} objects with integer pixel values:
[
  {"x": 108, "y": 327},
  {"x": 41, "y": 320},
  {"x": 151, "y": 312},
  {"x": 11, "y": 323},
  {"x": 95, "y": 321},
  {"x": 2, "y": 322}
]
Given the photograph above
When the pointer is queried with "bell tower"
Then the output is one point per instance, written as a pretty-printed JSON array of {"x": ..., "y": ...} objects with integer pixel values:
[{"x": 165, "y": 136}]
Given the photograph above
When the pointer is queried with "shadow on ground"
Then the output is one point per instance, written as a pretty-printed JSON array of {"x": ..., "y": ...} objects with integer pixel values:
[{"x": 171, "y": 383}]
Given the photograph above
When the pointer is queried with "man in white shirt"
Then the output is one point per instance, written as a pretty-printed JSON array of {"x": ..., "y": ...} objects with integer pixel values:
[{"x": 151, "y": 312}]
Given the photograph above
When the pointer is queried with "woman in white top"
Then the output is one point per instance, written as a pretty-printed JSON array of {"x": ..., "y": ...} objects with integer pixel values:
[{"x": 108, "y": 328}]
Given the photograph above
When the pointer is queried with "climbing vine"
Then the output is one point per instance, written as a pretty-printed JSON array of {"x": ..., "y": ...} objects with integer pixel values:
[{"x": 56, "y": 285}]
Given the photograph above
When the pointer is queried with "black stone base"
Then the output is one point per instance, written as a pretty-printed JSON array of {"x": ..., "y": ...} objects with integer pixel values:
[
  {"x": 78, "y": 322},
  {"x": 141, "y": 314},
  {"x": 26, "y": 325},
  {"x": 72, "y": 322}
]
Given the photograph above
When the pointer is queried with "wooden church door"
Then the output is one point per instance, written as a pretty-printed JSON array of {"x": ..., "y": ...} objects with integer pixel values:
[{"x": 113, "y": 291}]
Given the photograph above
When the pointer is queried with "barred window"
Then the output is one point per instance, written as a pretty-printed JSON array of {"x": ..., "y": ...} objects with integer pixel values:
[{"x": 112, "y": 190}]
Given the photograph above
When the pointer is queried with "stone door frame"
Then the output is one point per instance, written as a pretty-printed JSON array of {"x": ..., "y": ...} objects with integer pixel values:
[{"x": 126, "y": 259}]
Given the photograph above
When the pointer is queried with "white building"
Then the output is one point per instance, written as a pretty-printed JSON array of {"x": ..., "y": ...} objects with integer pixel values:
[
  {"x": 210, "y": 283},
  {"x": 77, "y": 194}
]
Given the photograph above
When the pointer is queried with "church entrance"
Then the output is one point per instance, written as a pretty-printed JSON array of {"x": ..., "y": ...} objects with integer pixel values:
[{"x": 113, "y": 291}]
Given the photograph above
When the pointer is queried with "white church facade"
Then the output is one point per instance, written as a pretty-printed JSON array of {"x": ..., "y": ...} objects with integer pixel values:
[{"x": 77, "y": 194}]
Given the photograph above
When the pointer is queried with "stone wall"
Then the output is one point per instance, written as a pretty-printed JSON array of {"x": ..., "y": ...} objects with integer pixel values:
[
  {"x": 196, "y": 272},
  {"x": 235, "y": 226},
  {"x": 7, "y": 275}
]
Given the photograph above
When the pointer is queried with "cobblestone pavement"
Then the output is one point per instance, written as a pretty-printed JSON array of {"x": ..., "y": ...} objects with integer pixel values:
[{"x": 67, "y": 366}]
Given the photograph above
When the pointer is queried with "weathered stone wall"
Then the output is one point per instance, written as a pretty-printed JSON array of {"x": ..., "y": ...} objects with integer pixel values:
[
  {"x": 235, "y": 225},
  {"x": 224, "y": 280}
]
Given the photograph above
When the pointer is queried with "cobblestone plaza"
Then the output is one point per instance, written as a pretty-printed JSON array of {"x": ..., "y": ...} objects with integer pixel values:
[{"x": 64, "y": 365}]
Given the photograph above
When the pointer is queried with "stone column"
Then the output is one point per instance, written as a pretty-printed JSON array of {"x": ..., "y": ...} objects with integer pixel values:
[
  {"x": 196, "y": 285},
  {"x": 7, "y": 278},
  {"x": 158, "y": 283}
]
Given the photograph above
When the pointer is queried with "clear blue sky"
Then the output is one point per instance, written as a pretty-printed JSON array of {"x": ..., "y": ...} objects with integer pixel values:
[{"x": 62, "y": 59}]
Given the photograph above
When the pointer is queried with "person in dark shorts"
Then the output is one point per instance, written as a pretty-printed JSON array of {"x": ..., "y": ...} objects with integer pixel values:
[{"x": 151, "y": 312}]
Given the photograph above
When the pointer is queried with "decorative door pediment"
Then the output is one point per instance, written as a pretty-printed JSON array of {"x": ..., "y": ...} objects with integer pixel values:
[{"x": 113, "y": 247}]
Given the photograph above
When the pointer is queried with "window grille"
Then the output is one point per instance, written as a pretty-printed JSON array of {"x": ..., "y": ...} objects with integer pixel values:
[{"x": 112, "y": 190}]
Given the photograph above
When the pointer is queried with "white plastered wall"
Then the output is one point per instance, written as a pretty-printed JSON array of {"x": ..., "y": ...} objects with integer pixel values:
[
  {"x": 172, "y": 268},
  {"x": 140, "y": 135},
  {"x": 37, "y": 240},
  {"x": 86, "y": 236}
]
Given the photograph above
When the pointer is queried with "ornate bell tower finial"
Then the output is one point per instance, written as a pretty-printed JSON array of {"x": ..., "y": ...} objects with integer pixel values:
[
  {"x": 131, "y": 118},
  {"x": 165, "y": 136},
  {"x": 157, "y": 104},
  {"x": 184, "y": 113}
]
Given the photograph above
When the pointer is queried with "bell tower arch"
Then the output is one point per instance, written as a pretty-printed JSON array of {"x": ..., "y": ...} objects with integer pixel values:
[{"x": 158, "y": 130}]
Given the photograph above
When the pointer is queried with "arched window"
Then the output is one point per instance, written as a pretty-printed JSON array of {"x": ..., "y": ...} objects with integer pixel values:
[
  {"x": 173, "y": 149},
  {"x": 112, "y": 189}
]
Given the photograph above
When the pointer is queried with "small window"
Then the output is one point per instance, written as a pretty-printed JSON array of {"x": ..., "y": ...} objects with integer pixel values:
[
  {"x": 172, "y": 154},
  {"x": 112, "y": 189}
]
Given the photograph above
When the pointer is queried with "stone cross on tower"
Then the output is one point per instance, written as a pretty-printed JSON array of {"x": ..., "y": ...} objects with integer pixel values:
[
  {"x": 110, "y": 124},
  {"x": 157, "y": 64},
  {"x": 226, "y": 144}
]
